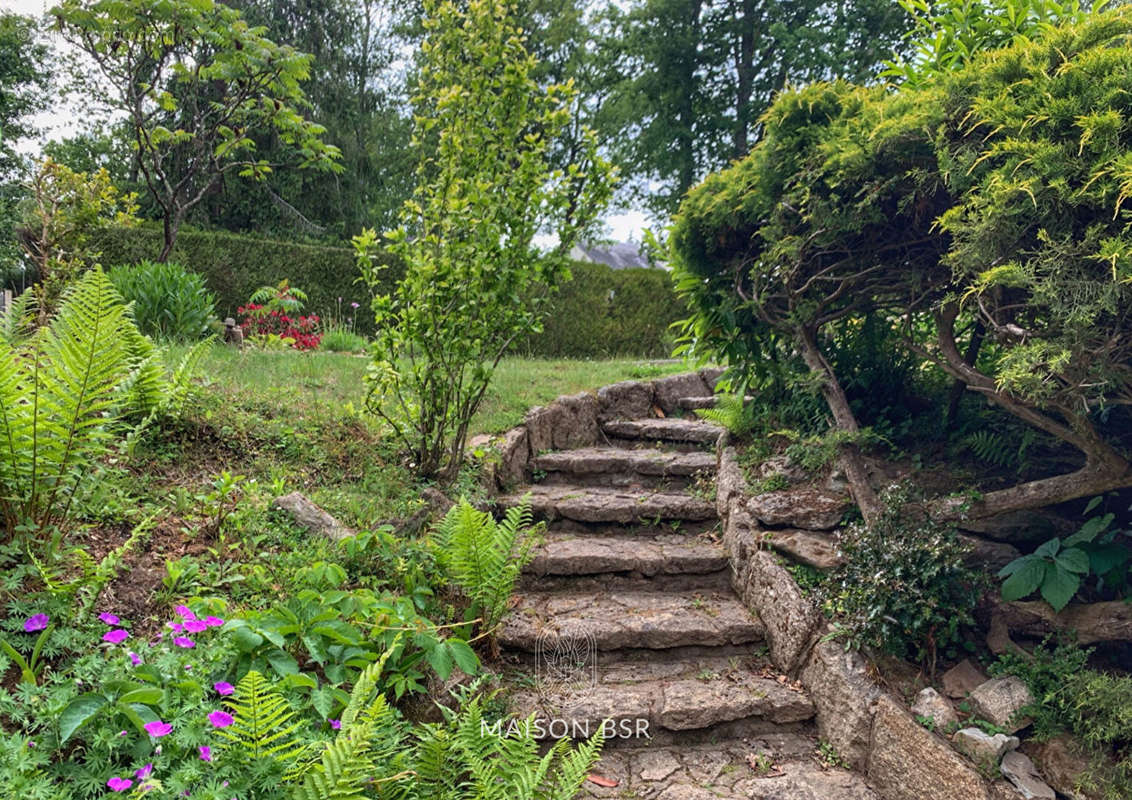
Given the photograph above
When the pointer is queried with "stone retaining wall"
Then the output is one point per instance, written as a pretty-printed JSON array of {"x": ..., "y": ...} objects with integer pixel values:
[{"x": 873, "y": 732}]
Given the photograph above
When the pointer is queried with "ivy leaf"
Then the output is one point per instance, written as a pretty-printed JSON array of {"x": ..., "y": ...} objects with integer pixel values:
[
  {"x": 1025, "y": 580},
  {"x": 79, "y": 712},
  {"x": 1059, "y": 587}
]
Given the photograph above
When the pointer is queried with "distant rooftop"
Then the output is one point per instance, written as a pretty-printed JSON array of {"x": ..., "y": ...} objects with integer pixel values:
[{"x": 623, "y": 255}]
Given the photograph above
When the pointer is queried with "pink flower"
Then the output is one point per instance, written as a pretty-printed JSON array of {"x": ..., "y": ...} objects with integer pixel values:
[
  {"x": 223, "y": 687},
  {"x": 184, "y": 612},
  {"x": 336, "y": 724},
  {"x": 157, "y": 728},
  {"x": 116, "y": 636},
  {"x": 205, "y": 752},
  {"x": 196, "y": 625},
  {"x": 117, "y": 784},
  {"x": 144, "y": 772},
  {"x": 36, "y": 622},
  {"x": 181, "y": 641},
  {"x": 109, "y": 618},
  {"x": 135, "y": 659},
  {"x": 176, "y": 626},
  {"x": 220, "y": 719},
  {"x": 213, "y": 622}
]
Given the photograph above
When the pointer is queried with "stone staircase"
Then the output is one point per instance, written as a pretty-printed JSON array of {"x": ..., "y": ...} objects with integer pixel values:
[{"x": 626, "y": 616}]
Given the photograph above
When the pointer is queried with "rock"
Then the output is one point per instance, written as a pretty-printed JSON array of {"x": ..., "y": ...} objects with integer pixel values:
[
  {"x": 909, "y": 762},
  {"x": 810, "y": 509},
  {"x": 575, "y": 424},
  {"x": 514, "y": 456},
  {"x": 843, "y": 694},
  {"x": 1091, "y": 622},
  {"x": 711, "y": 376},
  {"x": 789, "y": 617},
  {"x": 999, "y": 700},
  {"x": 625, "y": 400},
  {"x": 934, "y": 706},
  {"x": 780, "y": 465},
  {"x": 962, "y": 679},
  {"x": 1020, "y": 771},
  {"x": 813, "y": 548},
  {"x": 1018, "y": 526},
  {"x": 667, "y": 392},
  {"x": 729, "y": 482},
  {"x": 592, "y": 555},
  {"x": 611, "y": 505},
  {"x": 988, "y": 555},
  {"x": 805, "y": 781},
  {"x": 539, "y": 423},
  {"x": 1063, "y": 762},
  {"x": 665, "y": 430},
  {"x": 309, "y": 516},
  {"x": 694, "y": 704},
  {"x": 656, "y": 766},
  {"x": 438, "y": 502},
  {"x": 982, "y": 748}
]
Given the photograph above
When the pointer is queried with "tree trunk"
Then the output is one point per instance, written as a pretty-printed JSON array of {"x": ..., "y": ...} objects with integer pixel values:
[
  {"x": 851, "y": 461},
  {"x": 959, "y": 386},
  {"x": 170, "y": 226},
  {"x": 745, "y": 80}
]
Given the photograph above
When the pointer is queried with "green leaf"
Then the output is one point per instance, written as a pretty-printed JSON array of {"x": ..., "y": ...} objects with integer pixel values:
[
  {"x": 283, "y": 663},
  {"x": 1073, "y": 559},
  {"x": 1049, "y": 549},
  {"x": 1090, "y": 530},
  {"x": 466, "y": 658},
  {"x": 1025, "y": 580},
  {"x": 1059, "y": 587},
  {"x": 440, "y": 659},
  {"x": 149, "y": 695},
  {"x": 1108, "y": 557},
  {"x": 78, "y": 712},
  {"x": 247, "y": 639}
]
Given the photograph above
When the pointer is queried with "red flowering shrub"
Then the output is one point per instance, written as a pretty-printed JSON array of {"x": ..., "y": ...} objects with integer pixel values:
[{"x": 305, "y": 331}]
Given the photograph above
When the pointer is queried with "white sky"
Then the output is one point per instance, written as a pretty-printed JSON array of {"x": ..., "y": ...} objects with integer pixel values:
[{"x": 63, "y": 120}]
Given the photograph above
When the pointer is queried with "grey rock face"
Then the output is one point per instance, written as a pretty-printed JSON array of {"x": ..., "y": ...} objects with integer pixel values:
[
  {"x": 932, "y": 705},
  {"x": 999, "y": 700},
  {"x": 982, "y": 748},
  {"x": 809, "y": 509},
  {"x": 842, "y": 693},
  {"x": 1020, "y": 771},
  {"x": 962, "y": 679}
]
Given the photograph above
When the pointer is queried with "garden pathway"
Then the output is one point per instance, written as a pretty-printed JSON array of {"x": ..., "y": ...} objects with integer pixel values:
[{"x": 626, "y": 614}]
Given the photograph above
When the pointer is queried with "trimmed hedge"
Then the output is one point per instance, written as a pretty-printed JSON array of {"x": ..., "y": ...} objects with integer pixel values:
[
  {"x": 235, "y": 265},
  {"x": 601, "y": 312}
]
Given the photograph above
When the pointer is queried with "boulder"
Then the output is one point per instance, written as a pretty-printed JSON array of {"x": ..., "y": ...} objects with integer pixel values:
[
  {"x": 909, "y": 762},
  {"x": 789, "y": 617},
  {"x": 309, "y": 516},
  {"x": 962, "y": 679},
  {"x": 625, "y": 400},
  {"x": 810, "y": 509},
  {"x": 539, "y": 423},
  {"x": 843, "y": 694},
  {"x": 575, "y": 424},
  {"x": 982, "y": 748},
  {"x": 1020, "y": 771},
  {"x": 999, "y": 700},
  {"x": 514, "y": 456},
  {"x": 813, "y": 548},
  {"x": 930, "y": 704},
  {"x": 1063, "y": 763},
  {"x": 668, "y": 392}
]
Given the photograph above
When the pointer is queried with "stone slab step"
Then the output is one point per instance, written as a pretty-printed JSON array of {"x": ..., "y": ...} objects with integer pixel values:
[
  {"x": 813, "y": 548},
  {"x": 693, "y": 403},
  {"x": 767, "y": 767},
  {"x": 664, "y": 430},
  {"x": 672, "y": 554},
  {"x": 573, "y": 697},
  {"x": 595, "y": 504},
  {"x": 624, "y": 620},
  {"x": 604, "y": 460}
]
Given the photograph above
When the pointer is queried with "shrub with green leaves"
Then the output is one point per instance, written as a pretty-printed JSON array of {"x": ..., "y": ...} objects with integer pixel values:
[
  {"x": 342, "y": 340},
  {"x": 170, "y": 302},
  {"x": 903, "y": 588}
]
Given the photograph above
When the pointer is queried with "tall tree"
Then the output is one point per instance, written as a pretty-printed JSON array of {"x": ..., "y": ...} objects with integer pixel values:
[
  {"x": 700, "y": 73},
  {"x": 197, "y": 83}
]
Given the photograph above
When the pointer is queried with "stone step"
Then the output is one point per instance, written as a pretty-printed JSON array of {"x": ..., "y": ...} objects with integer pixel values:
[
  {"x": 621, "y": 467},
  {"x": 767, "y": 767},
  {"x": 574, "y": 692},
  {"x": 624, "y": 620},
  {"x": 669, "y": 430},
  {"x": 596, "y": 504},
  {"x": 672, "y": 554},
  {"x": 693, "y": 403}
]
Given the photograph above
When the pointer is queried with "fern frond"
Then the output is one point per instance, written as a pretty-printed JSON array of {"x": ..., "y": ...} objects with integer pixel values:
[
  {"x": 732, "y": 412},
  {"x": 343, "y": 770},
  {"x": 574, "y": 764},
  {"x": 17, "y": 322},
  {"x": 263, "y": 723}
]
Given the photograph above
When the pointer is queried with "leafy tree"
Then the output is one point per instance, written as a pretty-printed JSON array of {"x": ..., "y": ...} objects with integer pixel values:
[
  {"x": 197, "y": 83},
  {"x": 962, "y": 198},
  {"x": 474, "y": 279}
]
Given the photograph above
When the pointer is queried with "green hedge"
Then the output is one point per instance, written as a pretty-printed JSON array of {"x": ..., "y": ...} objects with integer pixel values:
[
  {"x": 235, "y": 265},
  {"x": 609, "y": 312},
  {"x": 601, "y": 312}
]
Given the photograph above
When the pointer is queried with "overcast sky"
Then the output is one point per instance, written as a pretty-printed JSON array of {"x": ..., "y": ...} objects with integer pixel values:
[{"x": 63, "y": 120}]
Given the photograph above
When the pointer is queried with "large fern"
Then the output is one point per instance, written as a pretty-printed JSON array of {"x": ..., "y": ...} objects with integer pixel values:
[
  {"x": 57, "y": 393},
  {"x": 466, "y": 759},
  {"x": 263, "y": 724},
  {"x": 484, "y": 557},
  {"x": 733, "y": 412}
]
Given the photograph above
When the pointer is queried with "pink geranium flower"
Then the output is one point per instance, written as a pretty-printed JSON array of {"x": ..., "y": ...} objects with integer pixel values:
[
  {"x": 205, "y": 752},
  {"x": 336, "y": 724},
  {"x": 117, "y": 784},
  {"x": 196, "y": 625},
  {"x": 108, "y": 618},
  {"x": 135, "y": 659},
  {"x": 184, "y": 612},
  {"x": 144, "y": 772},
  {"x": 220, "y": 719},
  {"x": 36, "y": 622},
  {"x": 116, "y": 636},
  {"x": 181, "y": 641},
  {"x": 223, "y": 687},
  {"x": 157, "y": 728},
  {"x": 213, "y": 622}
]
